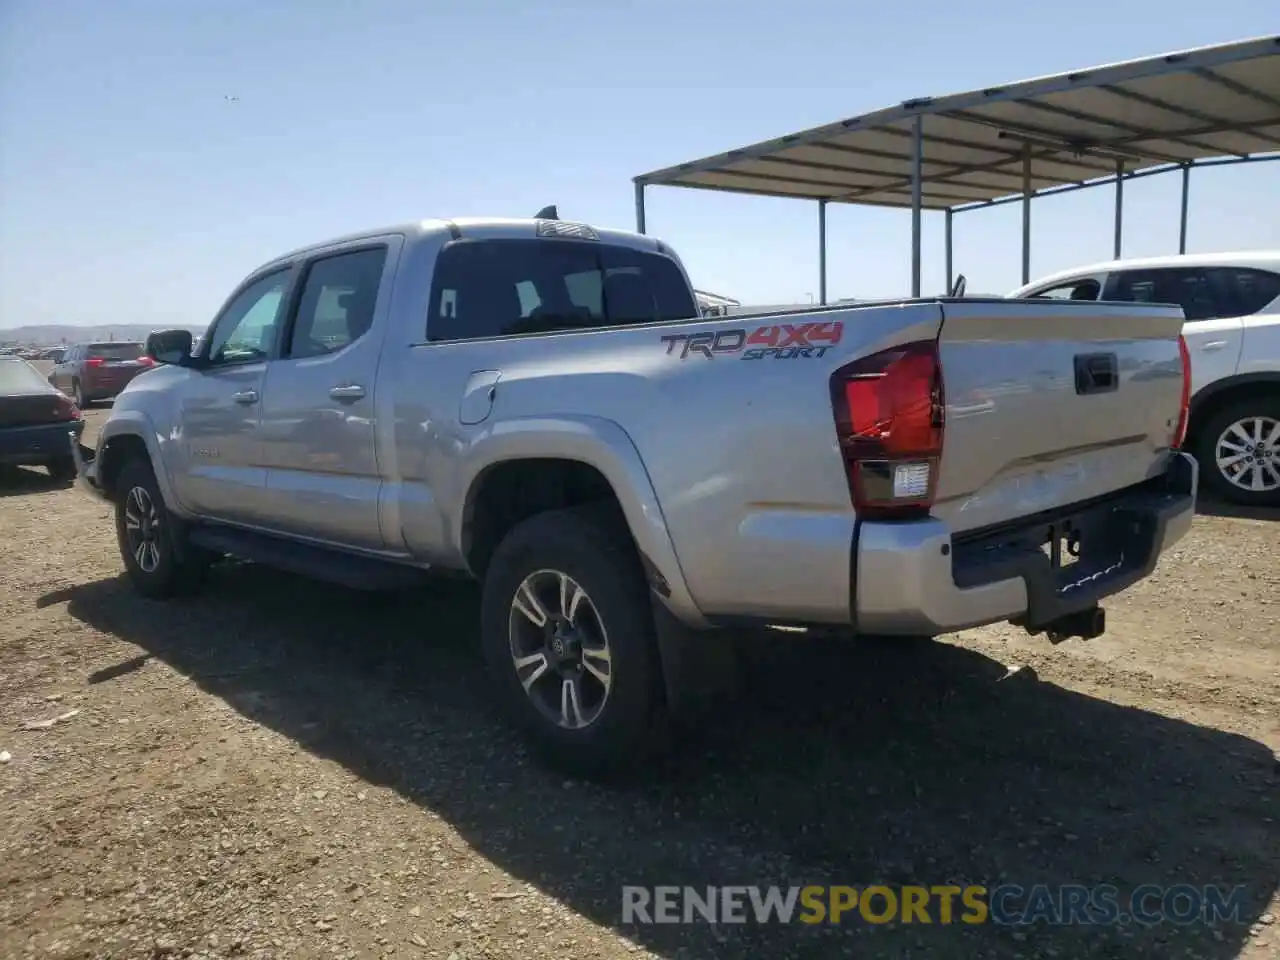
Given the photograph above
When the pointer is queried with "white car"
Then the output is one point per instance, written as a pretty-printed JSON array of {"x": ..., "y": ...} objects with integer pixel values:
[{"x": 1232, "y": 306}]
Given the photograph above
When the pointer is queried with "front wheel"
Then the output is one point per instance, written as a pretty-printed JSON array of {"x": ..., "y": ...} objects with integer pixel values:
[
  {"x": 568, "y": 635},
  {"x": 1239, "y": 452},
  {"x": 157, "y": 557}
]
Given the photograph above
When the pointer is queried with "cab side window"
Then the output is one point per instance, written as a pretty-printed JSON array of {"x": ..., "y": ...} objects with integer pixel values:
[
  {"x": 337, "y": 303},
  {"x": 246, "y": 330}
]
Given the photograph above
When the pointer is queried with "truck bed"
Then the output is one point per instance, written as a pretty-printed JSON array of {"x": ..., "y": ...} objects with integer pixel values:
[{"x": 733, "y": 422}]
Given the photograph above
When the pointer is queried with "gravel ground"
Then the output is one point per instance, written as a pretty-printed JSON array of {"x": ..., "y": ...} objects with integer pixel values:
[{"x": 280, "y": 769}]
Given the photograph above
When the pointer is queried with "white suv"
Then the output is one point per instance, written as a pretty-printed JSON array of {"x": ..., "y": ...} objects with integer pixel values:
[{"x": 1232, "y": 306}]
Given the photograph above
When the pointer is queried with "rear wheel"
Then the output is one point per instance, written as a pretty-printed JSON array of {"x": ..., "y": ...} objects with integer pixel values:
[
  {"x": 157, "y": 557},
  {"x": 568, "y": 635},
  {"x": 77, "y": 393},
  {"x": 1239, "y": 452}
]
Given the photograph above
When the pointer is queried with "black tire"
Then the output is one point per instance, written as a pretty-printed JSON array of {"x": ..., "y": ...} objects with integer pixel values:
[
  {"x": 178, "y": 566},
  {"x": 1212, "y": 477},
  {"x": 593, "y": 547},
  {"x": 62, "y": 470},
  {"x": 77, "y": 394}
]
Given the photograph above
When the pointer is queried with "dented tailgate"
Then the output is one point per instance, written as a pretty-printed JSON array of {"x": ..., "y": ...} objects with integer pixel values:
[{"x": 1049, "y": 404}]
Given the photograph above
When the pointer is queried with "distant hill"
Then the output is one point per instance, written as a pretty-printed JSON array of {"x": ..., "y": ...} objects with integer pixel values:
[{"x": 56, "y": 333}]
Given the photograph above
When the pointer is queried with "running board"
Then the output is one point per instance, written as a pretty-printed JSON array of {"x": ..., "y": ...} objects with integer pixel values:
[{"x": 319, "y": 563}]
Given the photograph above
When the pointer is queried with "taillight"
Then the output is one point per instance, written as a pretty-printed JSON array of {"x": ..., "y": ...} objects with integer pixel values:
[
  {"x": 889, "y": 413},
  {"x": 146, "y": 361},
  {"x": 65, "y": 409},
  {"x": 93, "y": 362},
  {"x": 1180, "y": 434}
]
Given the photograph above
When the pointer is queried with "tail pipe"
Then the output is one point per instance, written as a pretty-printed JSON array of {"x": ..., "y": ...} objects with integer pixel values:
[{"x": 1087, "y": 624}]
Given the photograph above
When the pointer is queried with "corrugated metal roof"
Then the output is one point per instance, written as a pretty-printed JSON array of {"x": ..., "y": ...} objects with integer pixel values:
[{"x": 1220, "y": 101}]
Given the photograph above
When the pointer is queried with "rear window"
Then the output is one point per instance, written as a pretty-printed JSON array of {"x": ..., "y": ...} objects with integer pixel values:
[
  {"x": 1254, "y": 289},
  {"x": 18, "y": 377},
  {"x": 501, "y": 288},
  {"x": 114, "y": 351}
]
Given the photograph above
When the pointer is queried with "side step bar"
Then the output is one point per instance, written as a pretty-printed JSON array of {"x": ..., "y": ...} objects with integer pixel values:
[{"x": 309, "y": 560}]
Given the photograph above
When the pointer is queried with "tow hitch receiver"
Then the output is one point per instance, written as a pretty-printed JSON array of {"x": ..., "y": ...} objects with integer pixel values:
[{"x": 1087, "y": 624}]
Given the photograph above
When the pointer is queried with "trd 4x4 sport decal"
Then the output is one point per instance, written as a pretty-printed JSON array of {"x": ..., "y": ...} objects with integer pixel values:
[{"x": 776, "y": 341}]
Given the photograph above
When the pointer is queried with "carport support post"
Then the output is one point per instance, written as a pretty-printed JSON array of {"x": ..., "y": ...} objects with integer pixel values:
[
  {"x": 1119, "y": 209},
  {"x": 917, "y": 166},
  {"x": 1182, "y": 223},
  {"x": 948, "y": 249},
  {"x": 1026, "y": 213},
  {"x": 639, "y": 207},
  {"x": 822, "y": 252}
]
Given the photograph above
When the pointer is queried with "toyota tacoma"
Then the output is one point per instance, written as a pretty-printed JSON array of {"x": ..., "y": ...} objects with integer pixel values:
[{"x": 538, "y": 404}]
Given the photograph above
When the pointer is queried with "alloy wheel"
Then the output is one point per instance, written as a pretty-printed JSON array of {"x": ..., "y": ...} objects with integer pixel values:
[
  {"x": 142, "y": 529},
  {"x": 560, "y": 649},
  {"x": 1247, "y": 454}
]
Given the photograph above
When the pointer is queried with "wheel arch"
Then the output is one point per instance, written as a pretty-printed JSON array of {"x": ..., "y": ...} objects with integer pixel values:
[
  {"x": 124, "y": 437},
  {"x": 524, "y": 467},
  {"x": 1217, "y": 395}
]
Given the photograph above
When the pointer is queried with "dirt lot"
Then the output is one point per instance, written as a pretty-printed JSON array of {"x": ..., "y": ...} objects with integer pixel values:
[{"x": 280, "y": 769}]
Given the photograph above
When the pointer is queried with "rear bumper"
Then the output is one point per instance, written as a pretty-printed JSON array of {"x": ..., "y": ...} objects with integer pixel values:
[
  {"x": 37, "y": 444},
  {"x": 917, "y": 578}
]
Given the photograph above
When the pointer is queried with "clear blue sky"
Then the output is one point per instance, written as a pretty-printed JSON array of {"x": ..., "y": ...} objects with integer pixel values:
[{"x": 132, "y": 191}]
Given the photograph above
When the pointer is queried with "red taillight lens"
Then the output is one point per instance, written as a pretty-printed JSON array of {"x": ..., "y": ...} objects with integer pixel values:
[
  {"x": 889, "y": 420},
  {"x": 1180, "y": 434},
  {"x": 65, "y": 409},
  {"x": 93, "y": 362},
  {"x": 146, "y": 361}
]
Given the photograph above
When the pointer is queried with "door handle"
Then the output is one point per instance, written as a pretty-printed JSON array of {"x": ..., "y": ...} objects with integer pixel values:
[
  {"x": 1213, "y": 345},
  {"x": 245, "y": 396},
  {"x": 1096, "y": 373},
  {"x": 350, "y": 391}
]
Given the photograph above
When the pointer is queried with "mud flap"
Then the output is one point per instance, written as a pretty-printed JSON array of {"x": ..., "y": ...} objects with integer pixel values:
[
  {"x": 86, "y": 466},
  {"x": 698, "y": 666}
]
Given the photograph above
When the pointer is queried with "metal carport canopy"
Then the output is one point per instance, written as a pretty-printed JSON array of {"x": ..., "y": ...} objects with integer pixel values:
[{"x": 1209, "y": 106}]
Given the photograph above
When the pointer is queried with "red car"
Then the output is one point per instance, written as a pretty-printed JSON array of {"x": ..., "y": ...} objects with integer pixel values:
[{"x": 99, "y": 371}]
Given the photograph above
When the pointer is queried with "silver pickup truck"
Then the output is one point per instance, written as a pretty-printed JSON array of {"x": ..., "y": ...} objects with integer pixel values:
[{"x": 527, "y": 401}]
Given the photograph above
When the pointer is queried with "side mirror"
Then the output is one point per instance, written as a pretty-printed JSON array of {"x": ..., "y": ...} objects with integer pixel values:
[{"x": 170, "y": 346}]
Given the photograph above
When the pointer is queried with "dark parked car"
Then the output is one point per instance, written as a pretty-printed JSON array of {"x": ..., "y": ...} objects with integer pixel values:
[
  {"x": 35, "y": 419},
  {"x": 99, "y": 371}
]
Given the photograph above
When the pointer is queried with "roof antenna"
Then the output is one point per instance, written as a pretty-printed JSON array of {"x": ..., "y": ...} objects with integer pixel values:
[{"x": 547, "y": 213}]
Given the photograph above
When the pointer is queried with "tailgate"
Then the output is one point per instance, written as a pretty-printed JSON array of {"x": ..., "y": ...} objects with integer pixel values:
[
  {"x": 117, "y": 371},
  {"x": 1049, "y": 404}
]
